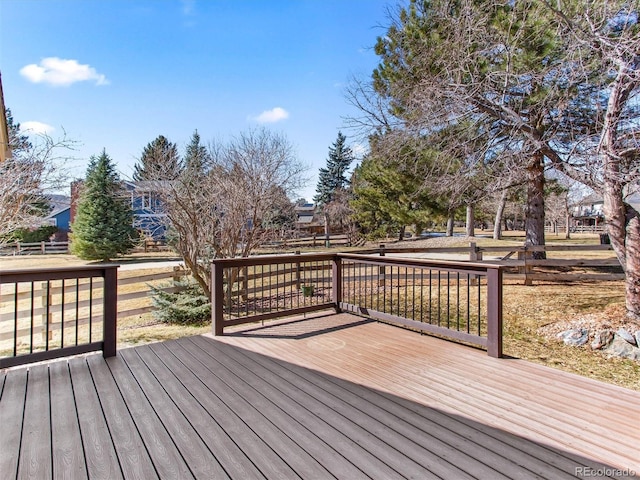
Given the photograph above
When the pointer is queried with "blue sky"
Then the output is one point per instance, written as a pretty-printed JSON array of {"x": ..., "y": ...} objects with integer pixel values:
[{"x": 115, "y": 74}]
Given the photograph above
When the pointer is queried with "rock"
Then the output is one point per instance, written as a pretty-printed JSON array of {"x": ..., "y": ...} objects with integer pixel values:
[
  {"x": 575, "y": 337},
  {"x": 638, "y": 338},
  {"x": 602, "y": 339},
  {"x": 623, "y": 349},
  {"x": 622, "y": 333}
]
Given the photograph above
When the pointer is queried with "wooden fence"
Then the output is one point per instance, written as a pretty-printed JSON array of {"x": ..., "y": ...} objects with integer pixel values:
[
  {"x": 48, "y": 248},
  {"x": 313, "y": 241},
  {"x": 520, "y": 264},
  {"x": 35, "y": 248}
]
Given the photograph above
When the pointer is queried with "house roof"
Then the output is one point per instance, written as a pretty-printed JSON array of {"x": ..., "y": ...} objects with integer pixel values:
[
  {"x": 307, "y": 207},
  {"x": 57, "y": 211},
  {"x": 305, "y": 219}
]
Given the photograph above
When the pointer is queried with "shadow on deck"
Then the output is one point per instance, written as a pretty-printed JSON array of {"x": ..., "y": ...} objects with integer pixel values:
[{"x": 329, "y": 397}]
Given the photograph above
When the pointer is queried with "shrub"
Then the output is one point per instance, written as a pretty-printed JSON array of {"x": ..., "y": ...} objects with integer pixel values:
[
  {"x": 188, "y": 305},
  {"x": 41, "y": 234}
]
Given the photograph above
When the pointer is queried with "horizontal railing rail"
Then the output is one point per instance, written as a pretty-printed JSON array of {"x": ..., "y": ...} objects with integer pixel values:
[
  {"x": 456, "y": 300},
  {"x": 57, "y": 312}
]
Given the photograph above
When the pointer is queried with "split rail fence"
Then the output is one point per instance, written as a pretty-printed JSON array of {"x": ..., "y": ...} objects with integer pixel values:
[{"x": 520, "y": 264}]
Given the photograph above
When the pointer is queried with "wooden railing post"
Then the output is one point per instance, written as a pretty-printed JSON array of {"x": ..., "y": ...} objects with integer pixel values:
[
  {"x": 217, "y": 300},
  {"x": 336, "y": 279},
  {"x": 110, "y": 311},
  {"x": 494, "y": 312}
]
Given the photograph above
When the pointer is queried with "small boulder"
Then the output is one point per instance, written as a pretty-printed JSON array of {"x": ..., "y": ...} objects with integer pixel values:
[
  {"x": 626, "y": 336},
  {"x": 637, "y": 335},
  {"x": 601, "y": 339},
  {"x": 622, "y": 349},
  {"x": 575, "y": 337}
]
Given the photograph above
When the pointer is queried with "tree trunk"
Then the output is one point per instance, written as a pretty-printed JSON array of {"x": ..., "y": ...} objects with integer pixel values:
[
  {"x": 471, "y": 231},
  {"x": 632, "y": 270},
  {"x": 567, "y": 226},
  {"x": 623, "y": 227},
  {"x": 534, "y": 222},
  {"x": 403, "y": 228},
  {"x": 497, "y": 225},
  {"x": 450, "y": 225},
  {"x": 327, "y": 232}
]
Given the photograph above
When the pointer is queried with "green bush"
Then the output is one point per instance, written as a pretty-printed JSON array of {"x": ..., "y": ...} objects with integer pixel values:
[
  {"x": 41, "y": 234},
  {"x": 186, "y": 306}
]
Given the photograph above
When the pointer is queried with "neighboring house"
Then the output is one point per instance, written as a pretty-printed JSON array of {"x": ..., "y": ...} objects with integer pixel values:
[
  {"x": 307, "y": 220},
  {"x": 59, "y": 216},
  {"x": 148, "y": 210},
  {"x": 588, "y": 211}
]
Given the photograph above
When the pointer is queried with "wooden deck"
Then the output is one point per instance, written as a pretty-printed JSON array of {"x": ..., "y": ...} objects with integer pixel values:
[{"x": 328, "y": 397}]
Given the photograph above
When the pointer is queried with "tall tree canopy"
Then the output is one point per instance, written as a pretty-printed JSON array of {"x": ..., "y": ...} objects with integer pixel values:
[
  {"x": 159, "y": 161},
  {"x": 498, "y": 64},
  {"x": 553, "y": 83},
  {"x": 233, "y": 204},
  {"x": 103, "y": 226}
]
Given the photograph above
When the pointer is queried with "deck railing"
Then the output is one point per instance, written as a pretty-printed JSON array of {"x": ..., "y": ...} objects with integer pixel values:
[
  {"x": 46, "y": 314},
  {"x": 456, "y": 300}
]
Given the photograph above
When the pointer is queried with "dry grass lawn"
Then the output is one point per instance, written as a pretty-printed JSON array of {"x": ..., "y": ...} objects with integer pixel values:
[{"x": 526, "y": 310}]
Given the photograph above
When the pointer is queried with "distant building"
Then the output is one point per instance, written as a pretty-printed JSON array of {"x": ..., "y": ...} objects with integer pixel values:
[
  {"x": 589, "y": 211},
  {"x": 308, "y": 222},
  {"x": 150, "y": 217}
]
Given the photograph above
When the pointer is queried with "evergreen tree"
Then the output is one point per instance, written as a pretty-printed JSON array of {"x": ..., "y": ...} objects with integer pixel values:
[
  {"x": 103, "y": 226},
  {"x": 196, "y": 157},
  {"x": 159, "y": 161},
  {"x": 333, "y": 177},
  {"x": 18, "y": 141}
]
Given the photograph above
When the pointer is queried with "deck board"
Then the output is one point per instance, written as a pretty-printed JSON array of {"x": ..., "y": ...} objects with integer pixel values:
[
  {"x": 11, "y": 415},
  {"x": 99, "y": 451},
  {"x": 66, "y": 442},
  {"x": 35, "y": 455},
  {"x": 328, "y": 397}
]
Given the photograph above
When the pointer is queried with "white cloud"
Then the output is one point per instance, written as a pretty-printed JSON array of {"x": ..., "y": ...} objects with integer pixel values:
[
  {"x": 271, "y": 116},
  {"x": 36, "y": 128},
  {"x": 61, "y": 72},
  {"x": 188, "y": 7}
]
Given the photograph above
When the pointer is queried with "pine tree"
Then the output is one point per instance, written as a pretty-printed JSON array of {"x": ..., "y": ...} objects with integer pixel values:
[
  {"x": 333, "y": 177},
  {"x": 196, "y": 157},
  {"x": 159, "y": 161},
  {"x": 103, "y": 226}
]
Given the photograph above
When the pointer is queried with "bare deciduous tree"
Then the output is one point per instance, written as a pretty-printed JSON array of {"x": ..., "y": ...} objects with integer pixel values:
[
  {"x": 218, "y": 209},
  {"x": 24, "y": 179}
]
